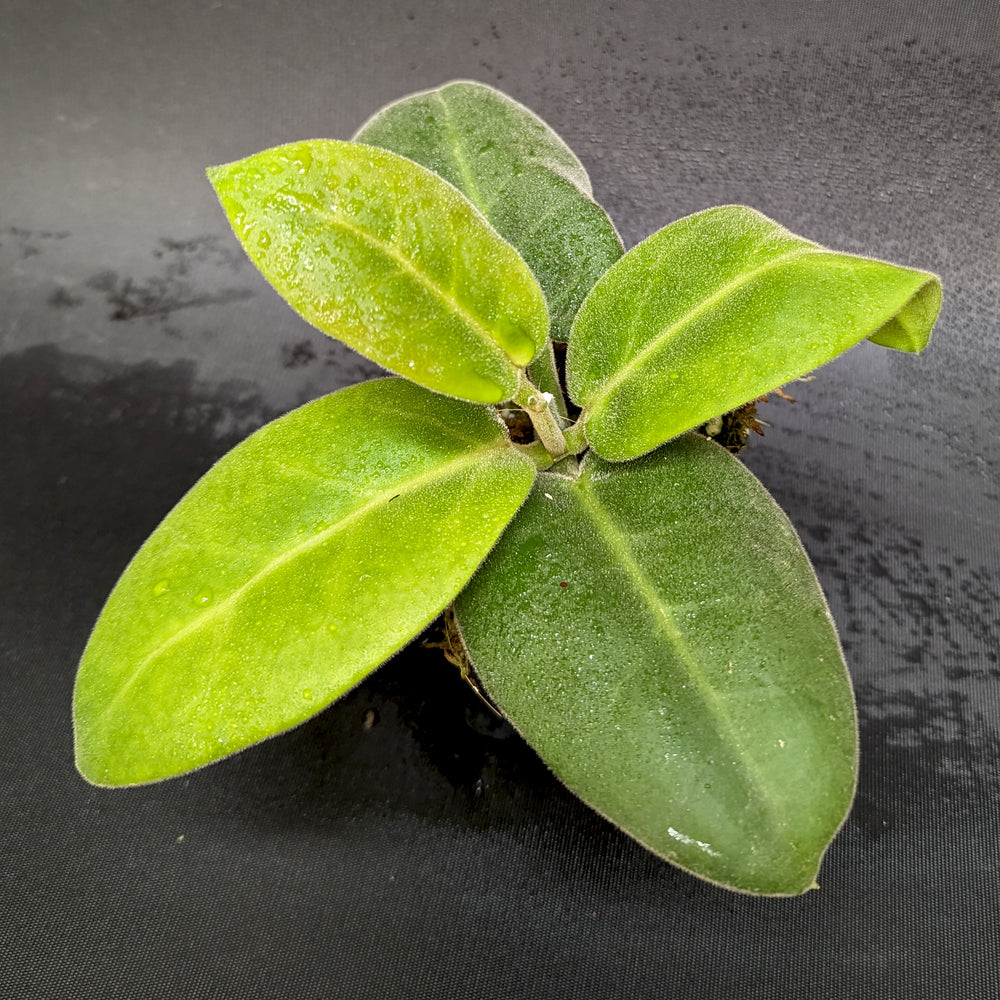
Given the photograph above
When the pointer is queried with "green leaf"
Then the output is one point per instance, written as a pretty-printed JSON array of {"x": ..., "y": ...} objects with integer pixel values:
[
  {"x": 384, "y": 255},
  {"x": 308, "y": 555},
  {"x": 655, "y": 631},
  {"x": 518, "y": 173},
  {"x": 718, "y": 309}
]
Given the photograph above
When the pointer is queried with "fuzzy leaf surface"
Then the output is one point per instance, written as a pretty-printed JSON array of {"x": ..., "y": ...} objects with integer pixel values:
[
  {"x": 384, "y": 255},
  {"x": 304, "y": 558},
  {"x": 518, "y": 173},
  {"x": 656, "y": 632},
  {"x": 718, "y": 309}
]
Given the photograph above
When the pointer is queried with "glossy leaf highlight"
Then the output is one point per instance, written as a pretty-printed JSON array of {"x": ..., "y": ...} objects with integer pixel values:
[
  {"x": 308, "y": 555},
  {"x": 518, "y": 173},
  {"x": 718, "y": 309},
  {"x": 382, "y": 254},
  {"x": 655, "y": 631}
]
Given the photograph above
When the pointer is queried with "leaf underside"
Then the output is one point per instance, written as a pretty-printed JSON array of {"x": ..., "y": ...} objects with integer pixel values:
[
  {"x": 308, "y": 555},
  {"x": 657, "y": 634},
  {"x": 718, "y": 309},
  {"x": 384, "y": 255}
]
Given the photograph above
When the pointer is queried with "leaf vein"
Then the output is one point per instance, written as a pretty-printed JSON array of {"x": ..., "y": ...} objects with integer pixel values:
[
  {"x": 468, "y": 178},
  {"x": 667, "y": 333},
  {"x": 614, "y": 538},
  {"x": 211, "y": 613},
  {"x": 405, "y": 264}
]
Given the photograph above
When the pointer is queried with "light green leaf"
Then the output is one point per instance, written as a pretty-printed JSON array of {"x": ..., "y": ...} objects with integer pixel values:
[
  {"x": 382, "y": 254},
  {"x": 518, "y": 173},
  {"x": 308, "y": 555},
  {"x": 655, "y": 631},
  {"x": 718, "y": 309}
]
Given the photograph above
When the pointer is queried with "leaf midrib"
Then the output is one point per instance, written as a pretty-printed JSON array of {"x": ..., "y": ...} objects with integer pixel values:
[
  {"x": 289, "y": 555},
  {"x": 471, "y": 185},
  {"x": 706, "y": 304},
  {"x": 424, "y": 279},
  {"x": 663, "y": 617}
]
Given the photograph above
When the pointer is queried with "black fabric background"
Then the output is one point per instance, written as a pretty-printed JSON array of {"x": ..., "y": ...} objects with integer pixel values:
[{"x": 432, "y": 855}]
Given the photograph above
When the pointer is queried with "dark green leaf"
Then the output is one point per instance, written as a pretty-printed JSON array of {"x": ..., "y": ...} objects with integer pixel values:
[
  {"x": 382, "y": 254},
  {"x": 307, "y": 556},
  {"x": 656, "y": 633},
  {"x": 718, "y": 309}
]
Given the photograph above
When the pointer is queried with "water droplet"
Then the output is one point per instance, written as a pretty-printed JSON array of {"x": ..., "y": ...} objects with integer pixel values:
[
  {"x": 203, "y": 597},
  {"x": 160, "y": 588},
  {"x": 307, "y": 694},
  {"x": 264, "y": 238}
]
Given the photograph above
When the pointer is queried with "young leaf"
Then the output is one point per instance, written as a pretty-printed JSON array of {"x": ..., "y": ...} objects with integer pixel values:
[
  {"x": 382, "y": 254},
  {"x": 656, "y": 632},
  {"x": 518, "y": 173},
  {"x": 308, "y": 555},
  {"x": 719, "y": 308}
]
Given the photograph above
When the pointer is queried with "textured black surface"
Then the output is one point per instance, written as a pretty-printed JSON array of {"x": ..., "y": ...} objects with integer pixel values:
[{"x": 430, "y": 854}]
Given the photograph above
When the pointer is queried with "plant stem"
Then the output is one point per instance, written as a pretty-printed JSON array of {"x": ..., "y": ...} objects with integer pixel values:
[
  {"x": 539, "y": 407},
  {"x": 576, "y": 439}
]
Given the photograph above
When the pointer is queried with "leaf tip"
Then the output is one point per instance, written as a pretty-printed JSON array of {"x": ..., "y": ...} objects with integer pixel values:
[
  {"x": 214, "y": 175},
  {"x": 90, "y": 777},
  {"x": 85, "y": 763},
  {"x": 909, "y": 329}
]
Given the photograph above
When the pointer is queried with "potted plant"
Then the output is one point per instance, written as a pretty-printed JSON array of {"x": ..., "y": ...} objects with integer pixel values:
[{"x": 626, "y": 592}]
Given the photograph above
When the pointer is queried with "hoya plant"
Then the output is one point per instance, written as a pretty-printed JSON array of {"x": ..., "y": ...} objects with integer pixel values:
[{"x": 628, "y": 595}]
